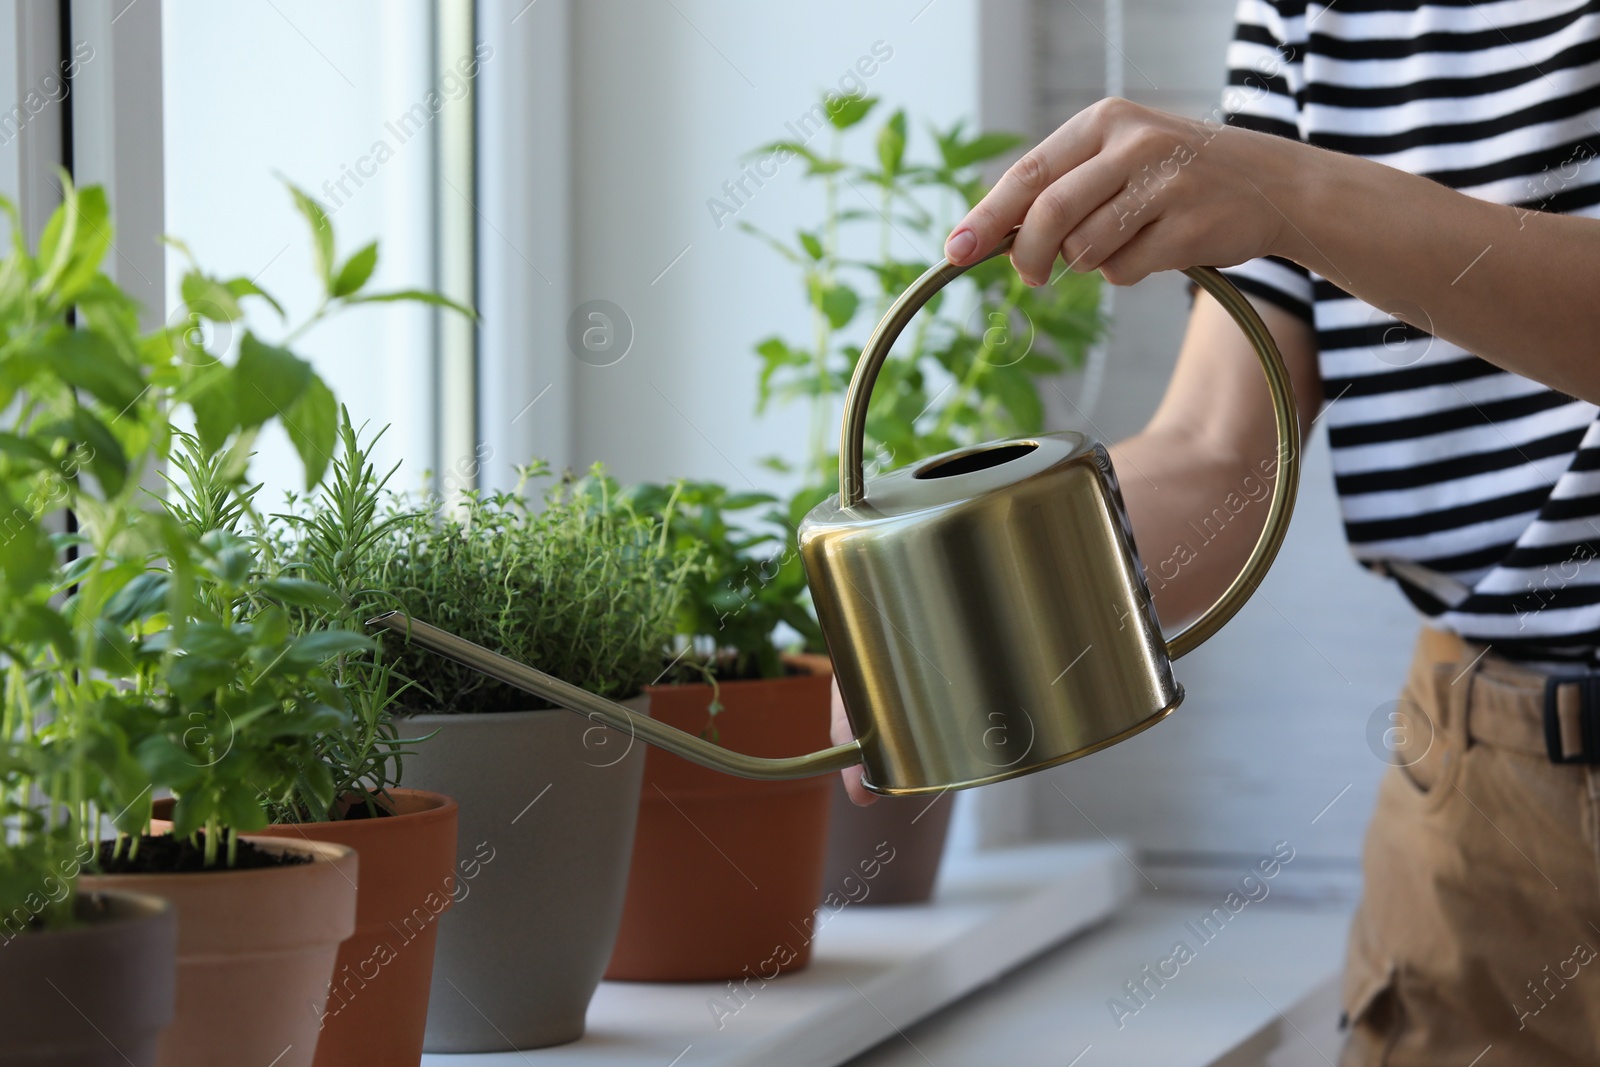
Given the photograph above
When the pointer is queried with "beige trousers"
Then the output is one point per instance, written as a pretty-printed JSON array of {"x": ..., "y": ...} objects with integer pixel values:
[{"x": 1477, "y": 937}]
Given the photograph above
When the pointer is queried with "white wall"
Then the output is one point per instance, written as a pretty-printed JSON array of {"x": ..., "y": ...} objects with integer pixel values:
[
  {"x": 668, "y": 98},
  {"x": 1274, "y": 724},
  {"x": 305, "y": 89}
]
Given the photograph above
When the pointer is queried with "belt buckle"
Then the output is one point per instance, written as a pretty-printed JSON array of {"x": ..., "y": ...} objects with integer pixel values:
[{"x": 1586, "y": 720}]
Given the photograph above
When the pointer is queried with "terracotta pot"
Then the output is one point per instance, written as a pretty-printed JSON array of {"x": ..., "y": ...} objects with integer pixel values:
[
  {"x": 255, "y": 954},
  {"x": 378, "y": 1005},
  {"x": 117, "y": 969},
  {"x": 727, "y": 872},
  {"x": 548, "y": 802}
]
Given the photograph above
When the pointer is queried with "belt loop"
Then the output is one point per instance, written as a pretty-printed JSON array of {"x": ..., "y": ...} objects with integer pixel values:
[
  {"x": 1572, "y": 719},
  {"x": 1458, "y": 695}
]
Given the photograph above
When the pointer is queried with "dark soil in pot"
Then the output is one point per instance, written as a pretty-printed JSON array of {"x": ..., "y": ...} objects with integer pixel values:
[{"x": 161, "y": 854}]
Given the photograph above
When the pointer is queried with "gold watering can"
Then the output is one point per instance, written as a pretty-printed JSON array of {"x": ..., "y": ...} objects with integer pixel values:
[{"x": 985, "y": 609}]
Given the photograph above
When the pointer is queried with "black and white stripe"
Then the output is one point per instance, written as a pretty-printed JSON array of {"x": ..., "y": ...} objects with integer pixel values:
[{"x": 1476, "y": 489}]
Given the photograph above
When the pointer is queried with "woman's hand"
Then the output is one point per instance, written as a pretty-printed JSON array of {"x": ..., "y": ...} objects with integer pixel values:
[
  {"x": 1129, "y": 191},
  {"x": 840, "y": 733}
]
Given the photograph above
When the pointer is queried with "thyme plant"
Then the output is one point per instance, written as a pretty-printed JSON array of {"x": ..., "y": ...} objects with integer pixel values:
[{"x": 584, "y": 587}]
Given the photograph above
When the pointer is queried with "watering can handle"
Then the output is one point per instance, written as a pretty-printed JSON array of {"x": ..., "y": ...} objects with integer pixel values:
[{"x": 852, "y": 435}]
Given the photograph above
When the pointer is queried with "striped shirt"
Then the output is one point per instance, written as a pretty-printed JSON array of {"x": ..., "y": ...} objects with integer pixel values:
[{"x": 1476, "y": 489}]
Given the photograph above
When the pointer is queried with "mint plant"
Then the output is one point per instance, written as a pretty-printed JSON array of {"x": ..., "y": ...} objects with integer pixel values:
[
  {"x": 966, "y": 371},
  {"x": 965, "y": 374},
  {"x": 158, "y": 645}
]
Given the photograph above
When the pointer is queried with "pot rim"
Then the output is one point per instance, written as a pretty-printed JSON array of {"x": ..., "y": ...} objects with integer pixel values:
[
  {"x": 322, "y": 852},
  {"x": 805, "y": 677},
  {"x": 440, "y": 718},
  {"x": 443, "y": 807},
  {"x": 132, "y": 907}
]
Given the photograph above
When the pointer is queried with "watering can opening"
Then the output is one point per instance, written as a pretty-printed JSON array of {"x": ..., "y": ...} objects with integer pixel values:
[{"x": 971, "y": 460}]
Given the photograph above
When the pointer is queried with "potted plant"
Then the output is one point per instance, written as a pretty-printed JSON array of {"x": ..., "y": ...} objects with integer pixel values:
[
  {"x": 66, "y": 959},
  {"x": 727, "y": 872},
  {"x": 964, "y": 374},
  {"x": 585, "y": 591},
  {"x": 311, "y": 563},
  {"x": 319, "y": 555},
  {"x": 159, "y": 655},
  {"x": 95, "y": 685}
]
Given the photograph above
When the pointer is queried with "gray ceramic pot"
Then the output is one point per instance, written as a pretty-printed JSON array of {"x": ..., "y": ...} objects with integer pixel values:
[
  {"x": 118, "y": 968},
  {"x": 915, "y": 827},
  {"x": 548, "y": 803}
]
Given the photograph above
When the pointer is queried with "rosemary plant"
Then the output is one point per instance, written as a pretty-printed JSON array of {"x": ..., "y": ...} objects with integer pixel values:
[{"x": 331, "y": 545}]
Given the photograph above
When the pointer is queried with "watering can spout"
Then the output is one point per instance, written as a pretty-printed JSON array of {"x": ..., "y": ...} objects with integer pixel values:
[{"x": 610, "y": 713}]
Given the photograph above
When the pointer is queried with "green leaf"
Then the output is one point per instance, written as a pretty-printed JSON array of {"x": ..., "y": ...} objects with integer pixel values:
[
  {"x": 43, "y": 625},
  {"x": 209, "y": 298},
  {"x": 241, "y": 810},
  {"x": 839, "y": 303},
  {"x": 1020, "y": 397},
  {"x": 245, "y": 287},
  {"x": 212, "y": 400},
  {"x": 845, "y": 111},
  {"x": 87, "y": 361},
  {"x": 114, "y": 651},
  {"x": 266, "y": 381},
  {"x": 169, "y": 767},
  {"x": 303, "y": 594},
  {"x": 312, "y": 424},
  {"x": 415, "y": 296},
  {"x": 139, "y": 599},
  {"x": 231, "y": 561},
  {"x": 191, "y": 677},
  {"x": 319, "y": 783},
  {"x": 815, "y": 164},
  {"x": 958, "y": 154},
  {"x": 107, "y": 461},
  {"x": 810, "y": 243},
  {"x": 773, "y": 243},
  {"x": 193, "y": 809},
  {"x": 321, "y": 235},
  {"x": 31, "y": 453},
  {"x": 270, "y": 628},
  {"x": 309, "y": 720},
  {"x": 74, "y": 242},
  {"x": 356, "y": 270},
  {"x": 776, "y": 355},
  {"x": 319, "y": 646},
  {"x": 26, "y": 558},
  {"x": 892, "y": 144}
]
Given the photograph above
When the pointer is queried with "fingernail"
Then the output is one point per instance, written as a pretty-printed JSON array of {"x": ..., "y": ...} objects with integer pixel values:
[{"x": 960, "y": 245}]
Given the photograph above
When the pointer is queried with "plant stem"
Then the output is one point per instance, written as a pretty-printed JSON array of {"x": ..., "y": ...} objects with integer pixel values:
[{"x": 980, "y": 360}]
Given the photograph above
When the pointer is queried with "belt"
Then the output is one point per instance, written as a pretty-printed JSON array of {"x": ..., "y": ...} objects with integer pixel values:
[{"x": 1555, "y": 716}]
